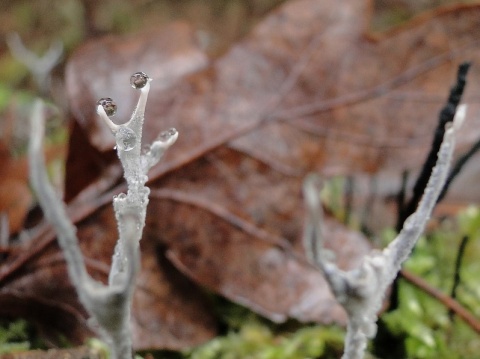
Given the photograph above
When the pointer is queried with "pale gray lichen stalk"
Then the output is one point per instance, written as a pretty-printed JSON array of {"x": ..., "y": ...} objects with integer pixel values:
[
  {"x": 40, "y": 66},
  {"x": 361, "y": 291},
  {"x": 109, "y": 305}
]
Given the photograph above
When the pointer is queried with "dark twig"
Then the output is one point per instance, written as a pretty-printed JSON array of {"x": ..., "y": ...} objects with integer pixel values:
[
  {"x": 446, "y": 115},
  {"x": 368, "y": 207},
  {"x": 456, "y": 275},
  {"x": 361, "y": 291},
  {"x": 401, "y": 199},
  {"x": 458, "y": 166},
  {"x": 349, "y": 191},
  {"x": 406, "y": 209}
]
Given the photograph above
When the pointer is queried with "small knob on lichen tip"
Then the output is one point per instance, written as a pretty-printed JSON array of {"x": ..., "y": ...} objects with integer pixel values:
[
  {"x": 165, "y": 136},
  {"x": 108, "y": 105},
  {"x": 139, "y": 79}
]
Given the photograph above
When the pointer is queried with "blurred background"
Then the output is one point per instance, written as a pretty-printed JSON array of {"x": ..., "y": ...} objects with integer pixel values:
[{"x": 42, "y": 25}]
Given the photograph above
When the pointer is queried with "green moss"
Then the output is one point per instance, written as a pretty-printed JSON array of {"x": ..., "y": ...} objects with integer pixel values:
[
  {"x": 12, "y": 72},
  {"x": 14, "y": 336},
  {"x": 430, "y": 330},
  {"x": 257, "y": 341}
]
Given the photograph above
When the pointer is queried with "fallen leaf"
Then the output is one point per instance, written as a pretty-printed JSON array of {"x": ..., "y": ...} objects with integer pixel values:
[
  {"x": 34, "y": 284},
  {"x": 251, "y": 266},
  {"x": 169, "y": 311},
  {"x": 15, "y": 196}
]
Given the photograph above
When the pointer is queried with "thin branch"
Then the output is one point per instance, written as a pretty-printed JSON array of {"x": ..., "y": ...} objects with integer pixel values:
[
  {"x": 53, "y": 207},
  {"x": 361, "y": 291},
  {"x": 108, "y": 305},
  {"x": 458, "y": 266},
  {"x": 400, "y": 199},
  {"x": 445, "y": 299},
  {"x": 349, "y": 193},
  {"x": 40, "y": 67},
  {"x": 458, "y": 166},
  {"x": 446, "y": 115}
]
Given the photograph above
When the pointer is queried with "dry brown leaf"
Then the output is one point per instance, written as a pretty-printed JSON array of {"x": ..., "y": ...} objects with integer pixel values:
[
  {"x": 34, "y": 284},
  {"x": 15, "y": 197}
]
